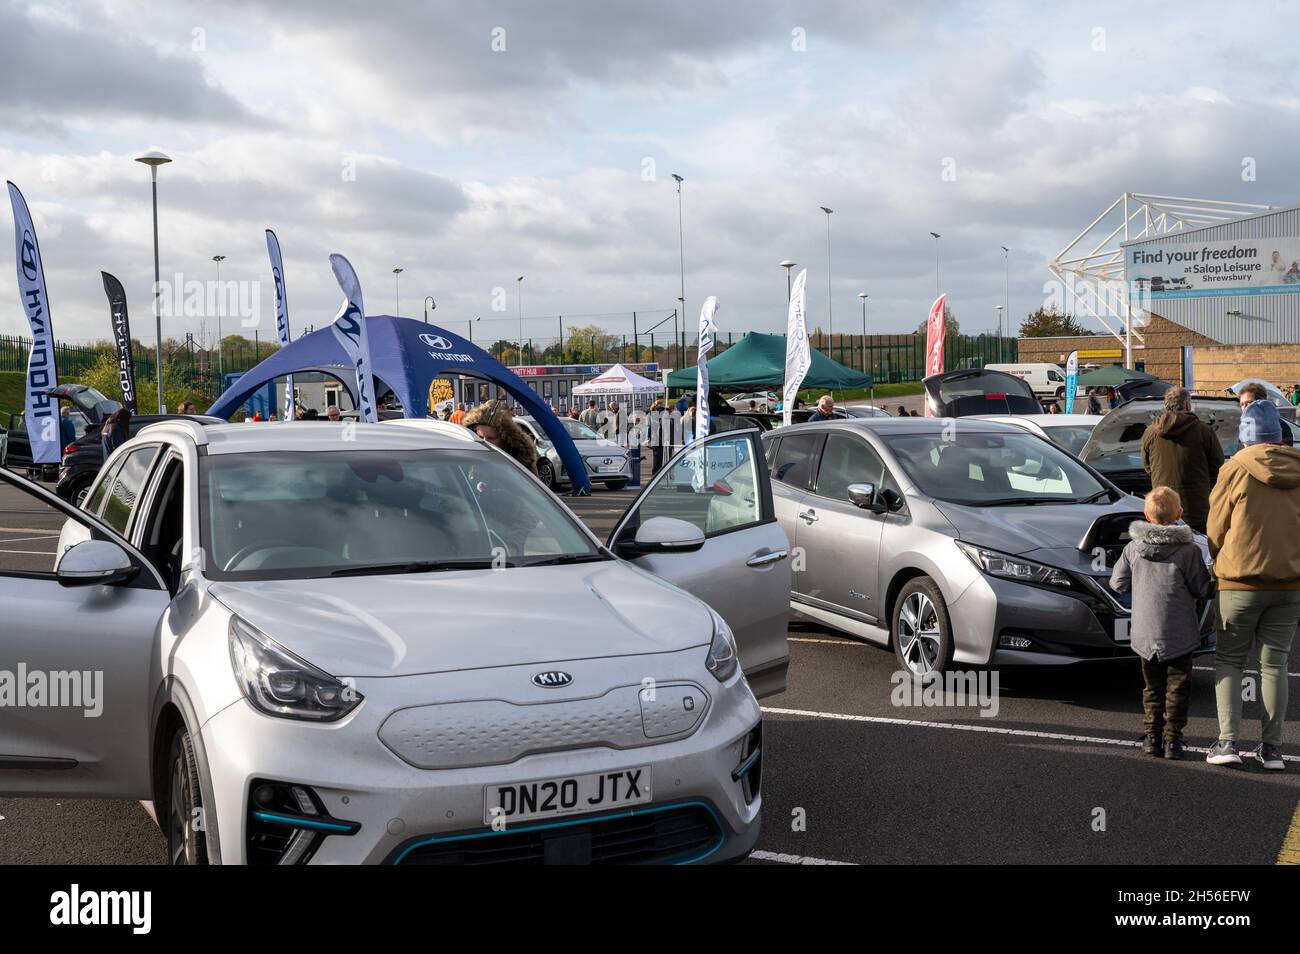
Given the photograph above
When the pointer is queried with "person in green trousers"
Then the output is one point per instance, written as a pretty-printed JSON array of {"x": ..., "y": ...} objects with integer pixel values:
[{"x": 1254, "y": 535}]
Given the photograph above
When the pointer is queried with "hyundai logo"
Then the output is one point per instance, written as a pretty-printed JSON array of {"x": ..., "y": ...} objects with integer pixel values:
[
  {"x": 552, "y": 679},
  {"x": 436, "y": 341},
  {"x": 28, "y": 257}
]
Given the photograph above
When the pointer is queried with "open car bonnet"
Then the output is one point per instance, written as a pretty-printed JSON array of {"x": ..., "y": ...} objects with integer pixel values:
[{"x": 1116, "y": 441}]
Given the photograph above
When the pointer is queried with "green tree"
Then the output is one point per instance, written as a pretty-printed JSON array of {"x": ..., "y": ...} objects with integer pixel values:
[
  {"x": 177, "y": 384},
  {"x": 951, "y": 327},
  {"x": 1051, "y": 323}
]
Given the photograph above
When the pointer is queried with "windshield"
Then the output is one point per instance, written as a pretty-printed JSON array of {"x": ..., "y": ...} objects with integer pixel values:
[
  {"x": 988, "y": 469},
  {"x": 1070, "y": 436},
  {"x": 290, "y": 515},
  {"x": 578, "y": 430}
]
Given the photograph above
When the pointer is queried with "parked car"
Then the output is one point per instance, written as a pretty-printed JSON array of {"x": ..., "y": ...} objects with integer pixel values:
[
  {"x": 1115, "y": 447},
  {"x": 607, "y": 462},
  {"x": 84, "y": 456},
  {"x": 89, "y": 410},
  {"x": 978, "y": 391},
  {"x": 306, "y": 639},
  {"x": 1045, "y": 379},
  {"x": 968, "y": 546},
  {"x": 1069, "y": 431},
  {"x": 761, "y": 401},
  {"x": 864, "y": 410}
]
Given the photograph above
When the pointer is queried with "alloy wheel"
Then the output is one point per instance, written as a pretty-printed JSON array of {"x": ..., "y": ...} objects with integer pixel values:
[{"x": 920, "y": 640}]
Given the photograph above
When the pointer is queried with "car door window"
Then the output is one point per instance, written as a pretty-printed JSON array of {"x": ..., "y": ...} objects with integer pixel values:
[
  {"x": 795, "y": 458},
  {"x": 163, "y": 528},
  {"x": 717, "y": 485},
  {"x": 95, "y": 500},
  {"x": 130, "y": 481},
  {"x": 846, "y": 460}
]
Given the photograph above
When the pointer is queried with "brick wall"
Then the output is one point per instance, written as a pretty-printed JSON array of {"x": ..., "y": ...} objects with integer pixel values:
[
  {"x": 1220, "y": 366},
  {"x": 1160, "y": 351}
]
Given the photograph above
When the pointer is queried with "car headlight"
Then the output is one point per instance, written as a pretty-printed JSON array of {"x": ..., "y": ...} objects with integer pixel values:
[
  {"x": 1016, "y": 568},
  {"x": 722, "y": 661},
  {"x": 280, "y": 684}
]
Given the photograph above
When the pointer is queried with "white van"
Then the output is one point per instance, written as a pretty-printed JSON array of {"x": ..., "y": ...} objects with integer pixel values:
[{"x": 1047, "y": 380}]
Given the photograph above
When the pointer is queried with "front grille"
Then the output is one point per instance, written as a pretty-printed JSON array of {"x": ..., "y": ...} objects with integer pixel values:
[{"x": 673, "y": 834}]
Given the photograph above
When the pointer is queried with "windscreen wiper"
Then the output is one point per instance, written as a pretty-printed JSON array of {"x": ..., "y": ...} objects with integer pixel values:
[
  {"x": 419, "y": 566},
  {"x": 567, "y": 559},
  {"x": 1025, "y": 501}
]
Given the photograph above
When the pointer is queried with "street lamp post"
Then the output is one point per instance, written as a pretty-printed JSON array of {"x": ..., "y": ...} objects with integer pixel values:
[
  {"x": 397, "y": 290},
  {"x": 221, "y": 364},
  {"x": 681, "y": 247},
  {"x": 863, "y": 297},
  {"x": 429, "y": 305},
  {"x": 1006, "y": 265},
  {"x": 153, "y": 160},
  {"x": 830, "y": 318},
  {"x": 787, "y": 265},
  {"x": 936, "y": 263},
  {"x": 519, "y": 302}
]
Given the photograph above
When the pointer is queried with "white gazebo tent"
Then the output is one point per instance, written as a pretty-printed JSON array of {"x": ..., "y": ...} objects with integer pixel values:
[{"x": 617, "y": 381}]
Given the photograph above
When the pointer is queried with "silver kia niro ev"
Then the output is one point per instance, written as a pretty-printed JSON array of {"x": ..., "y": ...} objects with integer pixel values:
[{"x": 306, "y": 643}]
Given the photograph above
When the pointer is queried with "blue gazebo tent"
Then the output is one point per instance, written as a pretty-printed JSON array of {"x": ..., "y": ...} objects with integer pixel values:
[{"x": 407, "y": 355}]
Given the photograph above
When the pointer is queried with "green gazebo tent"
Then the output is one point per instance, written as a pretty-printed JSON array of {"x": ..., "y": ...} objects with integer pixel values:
[{"x": 758, "y": 361}]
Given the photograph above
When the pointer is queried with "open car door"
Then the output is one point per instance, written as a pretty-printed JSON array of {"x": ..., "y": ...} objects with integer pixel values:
[
  {"x": 705, "y": 523},
  {"x": 76, "y": 651},
  {"x": 979, "y": 391}
]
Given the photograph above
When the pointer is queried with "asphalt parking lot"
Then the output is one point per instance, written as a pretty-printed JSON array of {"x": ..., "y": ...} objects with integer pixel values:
[{"x": 1055, "y": 776}]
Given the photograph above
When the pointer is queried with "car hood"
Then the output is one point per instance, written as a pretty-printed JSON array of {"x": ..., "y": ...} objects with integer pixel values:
[
  {"x": 1054, "y": 530},
  {"x": 471, "y": 619},
  {"x": 602, "y": 446},
  {"x": 1119, "y": 433}
]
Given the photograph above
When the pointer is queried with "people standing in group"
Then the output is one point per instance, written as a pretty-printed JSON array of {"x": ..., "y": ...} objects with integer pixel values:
[
  {"x": 67, "y": 428},
  {"x": 1181, "y": 451},
  {"x": 332, "y": 413},
  {"x": 1094, "y": 402},
  {"x": 1251, "y": 392},
  {"x": 1252, "y": 530},
  {"x": 493, "y": 422},
  {"x": 590, "y": 415},
  {"x": 661, "y": 425},
  {"x": 458, "y": 415},
  {"x": 1163, "y": 568},
  {"x": 688, "y": 421},
  {"x": 116, "y": 431}
]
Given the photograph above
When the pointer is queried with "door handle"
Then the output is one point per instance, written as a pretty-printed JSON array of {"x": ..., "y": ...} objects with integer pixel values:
[
  {"x": 763, "y": 559},
  {"x": 808, "y": 516}
]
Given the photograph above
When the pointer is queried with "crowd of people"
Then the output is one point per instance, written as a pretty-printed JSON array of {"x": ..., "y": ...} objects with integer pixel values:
[{"x": 1249, "y": 509}]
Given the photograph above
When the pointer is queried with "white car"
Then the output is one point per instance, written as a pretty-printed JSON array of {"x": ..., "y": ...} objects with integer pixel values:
[
  {"x": 396, "y": 646},
  {"x": 764, "y": 402},
  {"x": 1069, "y": 431},
  {"x": 607, "y": 462}
]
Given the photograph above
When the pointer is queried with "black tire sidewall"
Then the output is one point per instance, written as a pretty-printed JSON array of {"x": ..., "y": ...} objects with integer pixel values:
[
  {"x": 930, "y": 588},
  {"x": 181, "y": 747}
]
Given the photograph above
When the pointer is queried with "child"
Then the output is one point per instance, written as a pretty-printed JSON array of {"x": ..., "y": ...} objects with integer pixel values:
[{"x": 1167, "y": 574}]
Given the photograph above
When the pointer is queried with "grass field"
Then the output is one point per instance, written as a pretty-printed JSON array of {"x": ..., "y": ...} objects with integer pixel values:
[
  {"x": 11, "y": 394},
  {"x": 862, "y": 394}
]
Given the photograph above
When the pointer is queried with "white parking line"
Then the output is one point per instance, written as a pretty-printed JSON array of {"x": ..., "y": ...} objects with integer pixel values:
[
  {"x": 43, "y": 536},
  {"x": 785, "y": 859},
  {"x": 964, "y": 727},
  {"x": 30, "y": 552},
  {"x": 850, "y": 642}
]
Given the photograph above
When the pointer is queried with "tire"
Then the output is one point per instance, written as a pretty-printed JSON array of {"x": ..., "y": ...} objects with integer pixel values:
[
  {"x": 1060, "y": 394},
  {"x": 616, "y": 484},
  {"x": 922, "y": 631},
  {"x": 79, "y": 492},
  {"x": 186, "y": 844},
  {"x": 546, "y": 473}
]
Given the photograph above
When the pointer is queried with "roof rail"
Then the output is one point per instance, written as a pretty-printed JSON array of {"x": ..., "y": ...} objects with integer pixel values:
[
  {"x": 193, "y": 429},
  {"x": 445, "y": 428}
]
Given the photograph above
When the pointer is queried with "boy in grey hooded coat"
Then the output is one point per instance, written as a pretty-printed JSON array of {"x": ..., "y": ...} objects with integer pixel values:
[{"x": 1164, "y": 568}]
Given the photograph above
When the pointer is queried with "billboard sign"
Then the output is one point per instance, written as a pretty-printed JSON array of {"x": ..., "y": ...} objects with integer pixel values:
[{"x": 1267, "y": 266}]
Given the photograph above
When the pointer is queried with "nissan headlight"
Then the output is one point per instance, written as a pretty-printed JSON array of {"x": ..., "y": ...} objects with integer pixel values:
[
  {"x": 1007, "y": 567},
  {"x": 278, "y": 683},
  {"x": 722, "y": 661}
]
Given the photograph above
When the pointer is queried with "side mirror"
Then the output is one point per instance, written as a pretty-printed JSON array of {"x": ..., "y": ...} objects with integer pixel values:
[
  {"x": 664, "y": 535},
  {"x": 864, "y": 496},
  {"x": 94, "y": 562}
]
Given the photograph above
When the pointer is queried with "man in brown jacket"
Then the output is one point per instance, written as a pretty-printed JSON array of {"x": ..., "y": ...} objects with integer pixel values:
[
  {"x": 1180, "y": 451},
  {"x": 1254, "y": 531}
]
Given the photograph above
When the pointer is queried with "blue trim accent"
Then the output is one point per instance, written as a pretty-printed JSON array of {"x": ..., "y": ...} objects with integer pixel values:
[
  {"x": 588, "y": 820},
  {"x": 338, "y": 828}
]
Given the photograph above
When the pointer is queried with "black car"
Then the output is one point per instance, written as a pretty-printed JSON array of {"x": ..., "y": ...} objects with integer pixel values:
[
  {"x": 89, "y": 409},
  {"x": 84, "y": 456}
]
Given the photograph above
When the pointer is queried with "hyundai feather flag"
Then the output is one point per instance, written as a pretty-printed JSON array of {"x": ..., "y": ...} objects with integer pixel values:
[
  {"x": 935, "y": 328},
  {"x": 281, "y": 315},
  {"x": 42, "y": 410},
  {"x": 797, "y": 356},
  {"x": 350, "y": 329},
  {"x": 707, "y": 330},
  {"x": 122, "y": 338},
  {"x": 1071, "y": 381}
]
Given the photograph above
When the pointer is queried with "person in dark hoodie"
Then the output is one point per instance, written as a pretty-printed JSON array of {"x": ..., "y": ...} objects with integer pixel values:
[
  {"x": 1254, "y": 532},
  {"x": 1164, "y": 568},
  {"x": 1180, "y": 451}
]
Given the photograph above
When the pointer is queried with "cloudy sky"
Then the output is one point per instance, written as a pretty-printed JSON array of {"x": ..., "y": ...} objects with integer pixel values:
[{"x": 470, "y": 143}]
